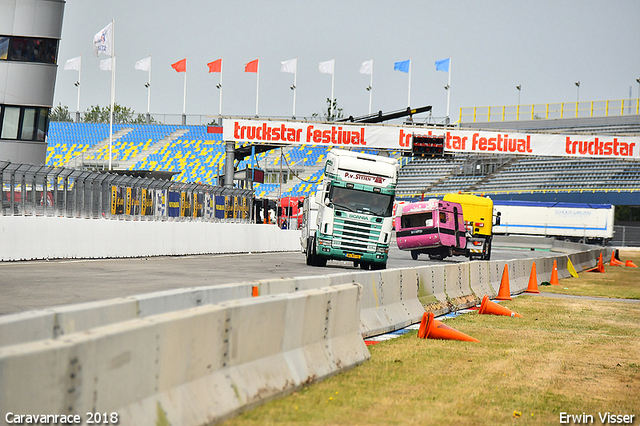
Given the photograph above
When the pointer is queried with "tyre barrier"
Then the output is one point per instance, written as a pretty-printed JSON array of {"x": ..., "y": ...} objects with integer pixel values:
[{"x": 188, "y": 367}]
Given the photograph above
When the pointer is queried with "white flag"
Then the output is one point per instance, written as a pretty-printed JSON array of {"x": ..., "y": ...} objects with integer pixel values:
[
  {"x": 73, "y": 64},
  {"x": 367, "y": 67},
  {"x": 103, "y": 41},
  {"x": 105, "y": 64},
  {"x": 143, "y": 64},
  {"x": 289, "y": 66},
  {"x": 327, "y": 66}
]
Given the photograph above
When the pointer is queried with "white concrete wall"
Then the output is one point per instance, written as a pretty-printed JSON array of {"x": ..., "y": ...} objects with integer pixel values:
[
  {"x": 32, "y": 237},
  {"x": 189, "y": 367}
]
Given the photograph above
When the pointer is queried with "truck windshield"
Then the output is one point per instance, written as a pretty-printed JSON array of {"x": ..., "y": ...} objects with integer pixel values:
[{"x": 357, "y": 201}]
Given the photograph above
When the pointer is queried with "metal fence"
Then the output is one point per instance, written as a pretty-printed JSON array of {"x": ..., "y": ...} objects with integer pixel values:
[
  {"x": 29, "y": 190},
  {"x": 608, "y": 108},
  {"x": 626, "y": 236}
]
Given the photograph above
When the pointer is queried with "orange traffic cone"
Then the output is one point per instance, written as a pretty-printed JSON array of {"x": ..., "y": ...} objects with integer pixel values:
[
  {"x": 533, "y": 281},
  {"x": 431, "y": 328},
  {"x": 614, "y": 261},
  {"x": 554, "y": 274},
  {"x": 504, "y": 293},
  {"x": 487, "y": 307},
  {"x": 600, "y": 267},
  {"x": 630, "y": 264},
  {"x": 422, "y": 331}
]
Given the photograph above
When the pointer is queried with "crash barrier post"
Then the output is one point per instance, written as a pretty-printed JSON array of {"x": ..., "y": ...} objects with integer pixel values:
[{"x": 188, "y": 367}]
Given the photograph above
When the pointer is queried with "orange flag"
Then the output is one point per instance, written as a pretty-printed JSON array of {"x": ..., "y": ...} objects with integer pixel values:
[
  {"x": 180, "y": 66},
  {"x": 251, "y": 66}
]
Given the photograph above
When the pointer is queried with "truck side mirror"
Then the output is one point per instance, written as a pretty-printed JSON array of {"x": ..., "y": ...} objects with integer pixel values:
[{"x": 497, "y": 219}]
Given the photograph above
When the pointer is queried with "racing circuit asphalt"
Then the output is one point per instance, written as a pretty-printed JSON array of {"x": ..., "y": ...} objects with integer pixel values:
[{"x": 33, "y": 285}]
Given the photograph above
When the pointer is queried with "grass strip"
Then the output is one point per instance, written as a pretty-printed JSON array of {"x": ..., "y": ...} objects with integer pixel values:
[{"x": 565, "y": 356}]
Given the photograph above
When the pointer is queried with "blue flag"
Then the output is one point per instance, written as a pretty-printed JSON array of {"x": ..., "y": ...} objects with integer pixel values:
[
  {"x": 443, "y": 65},
  {"x": 402, "y": 66}
]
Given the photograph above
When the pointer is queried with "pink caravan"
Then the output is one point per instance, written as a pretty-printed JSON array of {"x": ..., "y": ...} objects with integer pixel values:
[{"x": 432, "y": 227}]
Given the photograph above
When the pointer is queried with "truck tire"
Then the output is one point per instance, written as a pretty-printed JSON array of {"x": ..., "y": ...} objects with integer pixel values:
[
  {"x": 364, "y": 266},
  {"x": 414, "y": 254},
  {"x": 310, "y": 259},
  {"x": 378, "y": 266},
  {"x": 487, "y": 255}
]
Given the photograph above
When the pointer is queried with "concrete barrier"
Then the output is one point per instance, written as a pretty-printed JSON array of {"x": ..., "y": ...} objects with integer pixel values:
[
  {"x": 457, "y": 286},
  {"x": 431, "y": 292},
  {"x": 59, "y": 321},
  {"x": 480, "y": 279},
  {"x": 188, "y": 367},
  {"x": 26, "y": 327},
  {"x": 392, "y": 299},
  {"x": 35, "y": 237},
  {"x": 389, "y": 297}
]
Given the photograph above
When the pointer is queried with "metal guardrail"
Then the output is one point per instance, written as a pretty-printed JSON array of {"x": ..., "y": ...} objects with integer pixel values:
[
  {"x": 608, "y": 108},
  {"x": 29, "y": 190},
  {"x": 626, "y": 236}
]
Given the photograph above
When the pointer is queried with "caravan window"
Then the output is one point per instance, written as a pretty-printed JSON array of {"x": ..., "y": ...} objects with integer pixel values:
[{"x": 418, "y": 220}]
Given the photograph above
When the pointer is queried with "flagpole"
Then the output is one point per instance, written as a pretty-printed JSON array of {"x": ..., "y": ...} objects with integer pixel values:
[
  {"x": 149, "y": 91},
  {"x": 113, "y": 88},
  {"x": 333, "y": 79},
  {"x": 371, "y": 87},
  {"x": 295, "y": 87},
  {"x": 449, "y": 90},
  {"x": 184, "y": 98},
  {"x": 220, "y": 107},
  {"x": 409, "y": 97},
  {"x": 257, "y": 86},
  {"x": 79, "y": 82}
]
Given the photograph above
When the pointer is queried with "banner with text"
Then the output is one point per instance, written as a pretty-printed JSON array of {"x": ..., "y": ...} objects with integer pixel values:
[{"x": 347, "y": 135}]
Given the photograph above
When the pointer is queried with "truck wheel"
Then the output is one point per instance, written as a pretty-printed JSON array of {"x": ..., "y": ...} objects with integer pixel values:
[
  {"x": 414, "y": 254},
  {"x": 378, "y": 266},
  {"x": 364, "y": 266},
  {"x": 487, "y": 255},
  {"x": 310, "y": 259}
]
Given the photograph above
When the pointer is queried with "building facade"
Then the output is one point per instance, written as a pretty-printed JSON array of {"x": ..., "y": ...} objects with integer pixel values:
[{"x": 30, "y": 32}]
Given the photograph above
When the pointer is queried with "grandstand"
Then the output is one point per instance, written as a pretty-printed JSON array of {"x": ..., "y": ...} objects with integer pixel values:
[{"x": 195, "y": 155}]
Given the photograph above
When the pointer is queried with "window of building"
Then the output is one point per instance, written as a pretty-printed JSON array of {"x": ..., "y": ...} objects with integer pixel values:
[
  {"x": 4, "y": 47},
  {"x": 10, "y": 122},
  {"x": 23, "y": 123},
  {"x": 28, "y": 49}
]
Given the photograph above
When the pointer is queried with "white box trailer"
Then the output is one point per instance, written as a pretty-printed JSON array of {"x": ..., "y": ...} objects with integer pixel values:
[{"x": 569, "y": 221}]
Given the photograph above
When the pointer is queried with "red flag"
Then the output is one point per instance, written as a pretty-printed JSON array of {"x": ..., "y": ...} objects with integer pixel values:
[
  {"x": 180, "y": 66},
  {"x": 215, "y": 66},
  {"x": 251, "y": 66}
]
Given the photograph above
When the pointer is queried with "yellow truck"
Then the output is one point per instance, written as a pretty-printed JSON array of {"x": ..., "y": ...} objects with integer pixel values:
[{"x": 478, "y": 218}]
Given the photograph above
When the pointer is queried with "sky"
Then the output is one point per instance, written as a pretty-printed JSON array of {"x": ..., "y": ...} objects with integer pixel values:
[{"x": 545, "y": 46}]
